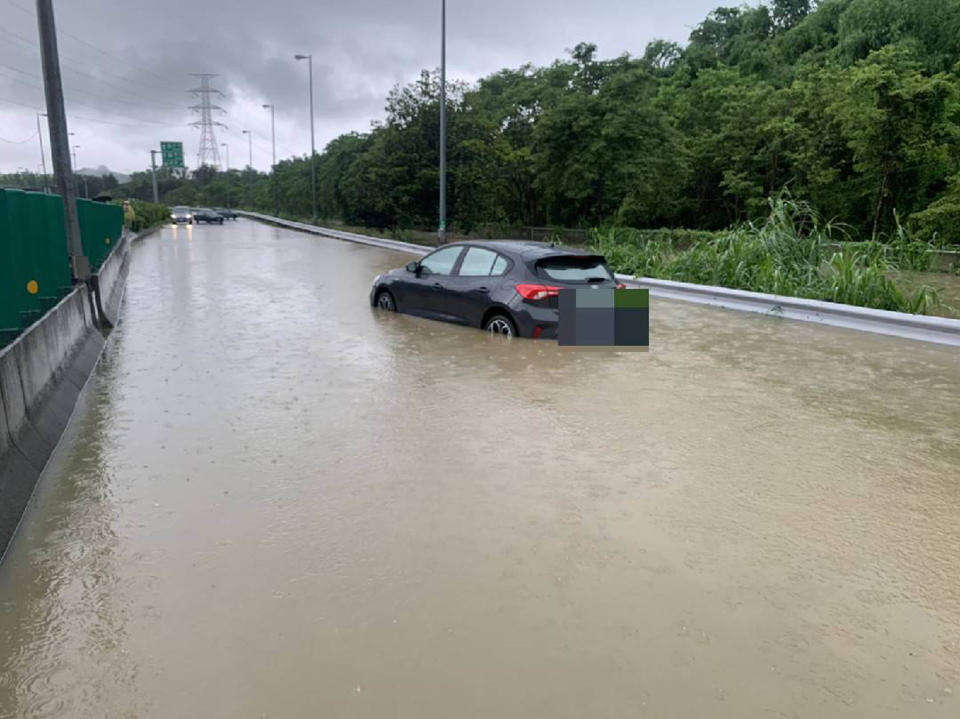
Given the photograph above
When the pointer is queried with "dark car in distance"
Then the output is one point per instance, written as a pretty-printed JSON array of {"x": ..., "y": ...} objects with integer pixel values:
[
  {"x": 225, "y": 213},
  {"x": 205, "y": 214},
  {"x": 502, "y": 286}
]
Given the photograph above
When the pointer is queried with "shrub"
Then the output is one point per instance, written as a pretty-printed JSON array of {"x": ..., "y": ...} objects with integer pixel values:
[
  {"x": 792, "y": 252},
  {"x": 145, "y": 215}
]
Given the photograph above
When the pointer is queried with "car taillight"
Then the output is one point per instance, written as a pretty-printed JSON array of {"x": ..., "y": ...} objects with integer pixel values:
[
  {"x": 621, "y": 286},
  {"x": 537, "y": 292}
]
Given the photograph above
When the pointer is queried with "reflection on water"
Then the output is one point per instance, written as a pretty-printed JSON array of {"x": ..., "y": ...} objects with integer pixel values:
[{"x": 275, "y": 501}]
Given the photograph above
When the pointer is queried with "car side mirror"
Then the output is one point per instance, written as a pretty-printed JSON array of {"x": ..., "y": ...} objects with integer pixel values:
[{"x": 412, "y": 267}]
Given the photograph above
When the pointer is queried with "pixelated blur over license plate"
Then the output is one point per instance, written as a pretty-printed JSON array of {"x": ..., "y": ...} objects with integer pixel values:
[{"x": 604, "y": 318}]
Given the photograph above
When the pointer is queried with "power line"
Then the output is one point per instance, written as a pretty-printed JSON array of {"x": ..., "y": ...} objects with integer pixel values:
[
  {"x": 93, "y": 107},
  {"x": 21, "y": 104},
  {"x": 83, "y": 92},
  {"x": 101, "y": 81},
  {"x": 105, "y": 53},
  {"x": 33, "y": 108},
  {"x": 69, "y": 68},
  {"x": 18, "y": 142}
]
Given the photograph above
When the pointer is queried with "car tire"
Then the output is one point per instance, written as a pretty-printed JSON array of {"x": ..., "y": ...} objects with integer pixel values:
[
  {"x": 500, "y": 324},
  {"x": 385, "y": 301}
]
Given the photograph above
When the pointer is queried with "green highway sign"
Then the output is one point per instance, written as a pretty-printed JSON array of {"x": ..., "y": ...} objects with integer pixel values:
[{"x": 172, "y": 153}]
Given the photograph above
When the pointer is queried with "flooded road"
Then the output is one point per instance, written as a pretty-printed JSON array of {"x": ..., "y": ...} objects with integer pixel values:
[{"x": 273, "y": 501}]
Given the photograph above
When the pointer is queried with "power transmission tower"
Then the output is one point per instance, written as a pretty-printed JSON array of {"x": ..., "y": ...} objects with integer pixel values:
[{"x": 209, "y": 151}]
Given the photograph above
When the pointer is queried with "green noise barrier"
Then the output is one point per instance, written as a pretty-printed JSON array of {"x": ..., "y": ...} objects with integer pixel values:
[{"x": 34, "y": 261}]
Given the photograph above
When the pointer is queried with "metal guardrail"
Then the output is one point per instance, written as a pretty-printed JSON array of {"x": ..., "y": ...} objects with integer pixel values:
[
  {"x": 340, "y": 234},
  {"x": 897, "y": 324}
]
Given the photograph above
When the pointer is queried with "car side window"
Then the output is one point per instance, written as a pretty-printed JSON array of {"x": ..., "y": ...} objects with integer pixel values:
[
  {"x": 442, "y": 261},
  {"x": 500, "y": 266},
  {"x": 477, "y": 262}
]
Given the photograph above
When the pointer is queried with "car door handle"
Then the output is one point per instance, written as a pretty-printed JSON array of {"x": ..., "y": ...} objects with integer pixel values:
[
  {"x": 437, "y": 286},
  {"x": 483, "y": 289}
]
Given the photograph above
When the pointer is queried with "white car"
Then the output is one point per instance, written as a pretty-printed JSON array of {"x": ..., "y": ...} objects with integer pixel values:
[{"x": 181, "y": 214}]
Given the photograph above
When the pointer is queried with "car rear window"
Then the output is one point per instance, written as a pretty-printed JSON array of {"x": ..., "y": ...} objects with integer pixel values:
[{"x": 574, "y": 269}]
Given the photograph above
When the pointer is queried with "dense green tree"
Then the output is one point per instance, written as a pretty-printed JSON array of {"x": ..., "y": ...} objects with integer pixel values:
[{"x": 852, "y": 104}]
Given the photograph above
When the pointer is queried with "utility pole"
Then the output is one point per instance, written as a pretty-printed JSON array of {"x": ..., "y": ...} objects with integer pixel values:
[
  {"x": 442, "y": 232},
  {"x": 43, "y": 160},
  {"x": 273, "y": 165},
  {"x": 153, "y": 169},
  {"x": 313, "y": 147},
  {"x": 59, "y": 142},
  {"x": 226, "y": 148}
]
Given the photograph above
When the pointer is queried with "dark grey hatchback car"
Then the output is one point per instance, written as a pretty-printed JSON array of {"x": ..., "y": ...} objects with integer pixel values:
[{"x": 505, "y": 287}]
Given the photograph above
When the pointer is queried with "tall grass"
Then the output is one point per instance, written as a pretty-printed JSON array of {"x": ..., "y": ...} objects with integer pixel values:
[{"x": 791, "y": 252}]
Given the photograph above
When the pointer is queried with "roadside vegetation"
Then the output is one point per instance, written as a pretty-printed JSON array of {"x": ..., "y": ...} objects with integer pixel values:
[
  {"x": 852, "y": 104},
  {"x": 144, "y": 215},
  {"x": 790, "y": 252}
]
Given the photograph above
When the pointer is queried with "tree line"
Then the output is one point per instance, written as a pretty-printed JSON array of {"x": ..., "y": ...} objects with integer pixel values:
[{"x": 853, "y": 105}]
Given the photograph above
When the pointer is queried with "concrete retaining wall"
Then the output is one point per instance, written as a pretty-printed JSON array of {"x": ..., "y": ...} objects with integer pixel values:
[{"x": 41, "y": 376}]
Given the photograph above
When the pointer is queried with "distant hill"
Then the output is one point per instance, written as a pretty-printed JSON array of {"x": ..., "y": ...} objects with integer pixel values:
[{"x": 101, "y": 170}]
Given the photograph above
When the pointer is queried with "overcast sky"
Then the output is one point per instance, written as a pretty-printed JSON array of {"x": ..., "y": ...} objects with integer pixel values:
[{"x": 127, "y": 63}]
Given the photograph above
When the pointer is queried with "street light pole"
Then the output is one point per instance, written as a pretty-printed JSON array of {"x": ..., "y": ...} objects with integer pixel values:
[
  {"x": 59, "y": 140},
  {"x": 153, "y": 169},
  {"x": 249, "y": 147},
  {"x": 442, "y": 232},
  {"x": 226, "y": 147},
  {"x": 84, "y": 177},
  {"x": 273, "y": 132},
  {"x": 313, "y": 148},
  {"x": 43, "y": 160},
  {"x": 249, "y": 166},
  {"x": 273, "y": 165}
]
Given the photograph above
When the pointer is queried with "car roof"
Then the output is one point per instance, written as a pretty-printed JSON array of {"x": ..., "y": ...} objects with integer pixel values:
[{"x": 528, "y": 249}]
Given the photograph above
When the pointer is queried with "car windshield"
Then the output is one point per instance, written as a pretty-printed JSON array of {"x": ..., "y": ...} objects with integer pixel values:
[
  {"x": 587, "y": 269},
  {"x": 181, "y": 209}
]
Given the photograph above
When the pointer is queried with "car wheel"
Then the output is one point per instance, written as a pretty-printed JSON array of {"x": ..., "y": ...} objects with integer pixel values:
[
  {"x": 386, "y": 302},
  {"x": 500, "y": 325}
]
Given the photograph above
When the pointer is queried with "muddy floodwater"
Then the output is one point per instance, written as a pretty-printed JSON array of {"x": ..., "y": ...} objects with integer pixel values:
[{"x": 273, "y": 501}]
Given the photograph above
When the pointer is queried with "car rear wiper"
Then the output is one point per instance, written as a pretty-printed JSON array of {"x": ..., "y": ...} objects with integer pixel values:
[{"x": 593, "y": 280}]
